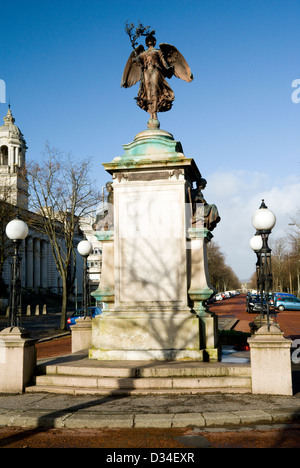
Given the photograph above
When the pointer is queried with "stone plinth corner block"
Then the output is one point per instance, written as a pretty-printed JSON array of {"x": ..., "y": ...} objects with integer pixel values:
[
  {"x": 17, "y": 360},
  {"x": 270, "y": 362},
  {"x": 81, "y": 334}
]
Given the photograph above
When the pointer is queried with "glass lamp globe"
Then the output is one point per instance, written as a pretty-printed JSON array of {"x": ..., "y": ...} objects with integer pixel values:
[
  {"x": 256, "y": 243},
  {"x": 263, "y": 219},
  {"x": 16, "y": 230},
  {"x": 84, "y": 248}
]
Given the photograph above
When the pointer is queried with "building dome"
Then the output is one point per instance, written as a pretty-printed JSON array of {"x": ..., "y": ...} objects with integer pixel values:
[{"x": 9, "y": 129}]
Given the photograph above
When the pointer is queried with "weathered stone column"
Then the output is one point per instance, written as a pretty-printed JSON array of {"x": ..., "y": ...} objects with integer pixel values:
[
  {"x": 201, "y": 290},
  {"x": 106, "y": 289}
]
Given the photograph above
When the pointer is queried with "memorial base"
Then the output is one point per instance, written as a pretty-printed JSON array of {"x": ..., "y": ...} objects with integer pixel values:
[{"x": 153, "y": 335}]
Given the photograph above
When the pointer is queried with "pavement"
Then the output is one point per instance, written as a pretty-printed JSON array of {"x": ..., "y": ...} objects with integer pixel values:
[{"x": 40, "y": 410}]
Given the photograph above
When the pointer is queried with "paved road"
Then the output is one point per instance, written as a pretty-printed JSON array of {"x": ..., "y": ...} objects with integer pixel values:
[
  {"x": 280, "y": 436},
  {"x": 288, "y": 320}
]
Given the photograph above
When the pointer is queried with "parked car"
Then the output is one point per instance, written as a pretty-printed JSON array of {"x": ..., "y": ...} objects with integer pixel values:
[
  {"x": 279, "y": 296},
  {"x": 219, "y": 297},
  {"x": 253, "y": 304},
  {"x": 288, "y": 303},
  {"x": 92, "y": 312}
]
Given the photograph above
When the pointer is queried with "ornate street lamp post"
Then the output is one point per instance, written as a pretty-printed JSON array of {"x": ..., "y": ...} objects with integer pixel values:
[
  {"x": 256, "y": 245},
  {"x": 263, "y": 221},
  {"x": 85, "y": 248},
  {"x": 16, "y": 230}
]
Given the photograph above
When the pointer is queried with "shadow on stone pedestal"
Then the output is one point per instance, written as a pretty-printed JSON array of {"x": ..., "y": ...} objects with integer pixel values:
[{"x": 17, "y": 360}]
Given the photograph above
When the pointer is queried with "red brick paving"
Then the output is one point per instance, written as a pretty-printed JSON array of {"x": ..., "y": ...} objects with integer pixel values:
[{"x": 288, "y": 320}]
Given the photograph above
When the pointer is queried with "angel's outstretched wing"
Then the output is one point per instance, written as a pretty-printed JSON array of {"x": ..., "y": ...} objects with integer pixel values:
[
  {"x": 132, "y": 71},
  {"x": 175, "y": 59}
]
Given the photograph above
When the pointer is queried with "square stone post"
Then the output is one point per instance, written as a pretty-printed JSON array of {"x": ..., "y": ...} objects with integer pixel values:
[
  {"x": 270, "y": 362},
  {"x": 82, "y": 334},
  {"x": 17, "y": 360}
]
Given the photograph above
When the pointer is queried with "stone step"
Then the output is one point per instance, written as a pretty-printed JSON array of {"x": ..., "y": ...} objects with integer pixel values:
[
  {"x": 110, "y": 392},
  {"x": 142, "y": 383},
  {"x": 76, "y": 374},
  {"x": 215, "y": 370}
]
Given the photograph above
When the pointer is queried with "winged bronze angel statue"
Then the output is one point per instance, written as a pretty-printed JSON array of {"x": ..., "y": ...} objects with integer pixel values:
[{"x": 151, "y": 67}]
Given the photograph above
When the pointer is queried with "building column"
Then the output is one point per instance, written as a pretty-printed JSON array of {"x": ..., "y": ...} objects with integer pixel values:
[
  {"x": 43, "y": 264},
  {"x": 23, "y": 263},
  {"x": 37, "y": 263},
  {"x": 11, "y": 158},
  {"x": 29, "y": 262}
]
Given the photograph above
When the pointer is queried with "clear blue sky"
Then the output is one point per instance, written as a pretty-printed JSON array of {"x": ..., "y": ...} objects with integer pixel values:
[{"x": 62, "y": 63}]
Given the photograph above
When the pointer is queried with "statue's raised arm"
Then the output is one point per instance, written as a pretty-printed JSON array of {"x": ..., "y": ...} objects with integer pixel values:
[{"x": 151, "y": 67}]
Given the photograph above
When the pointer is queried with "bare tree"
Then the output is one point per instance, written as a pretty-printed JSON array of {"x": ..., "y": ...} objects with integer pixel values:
[
  {"x": 222, "y": 276},
  {"x": 61, "y": 192}
]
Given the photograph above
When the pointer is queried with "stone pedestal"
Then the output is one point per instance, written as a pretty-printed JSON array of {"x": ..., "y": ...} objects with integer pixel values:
[
  {"x": 270, "y": 362},
  {"x": 17, "y": 360},
  {"x": 82, "y": 334},
  {"x": 151, "y": 316}
]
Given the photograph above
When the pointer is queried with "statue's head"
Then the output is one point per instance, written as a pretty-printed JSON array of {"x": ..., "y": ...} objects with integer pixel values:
[
  {"x": 109, "y": 186},
  {"x": 201, "y": 183},
  {"x": 150, "y": 40}
]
